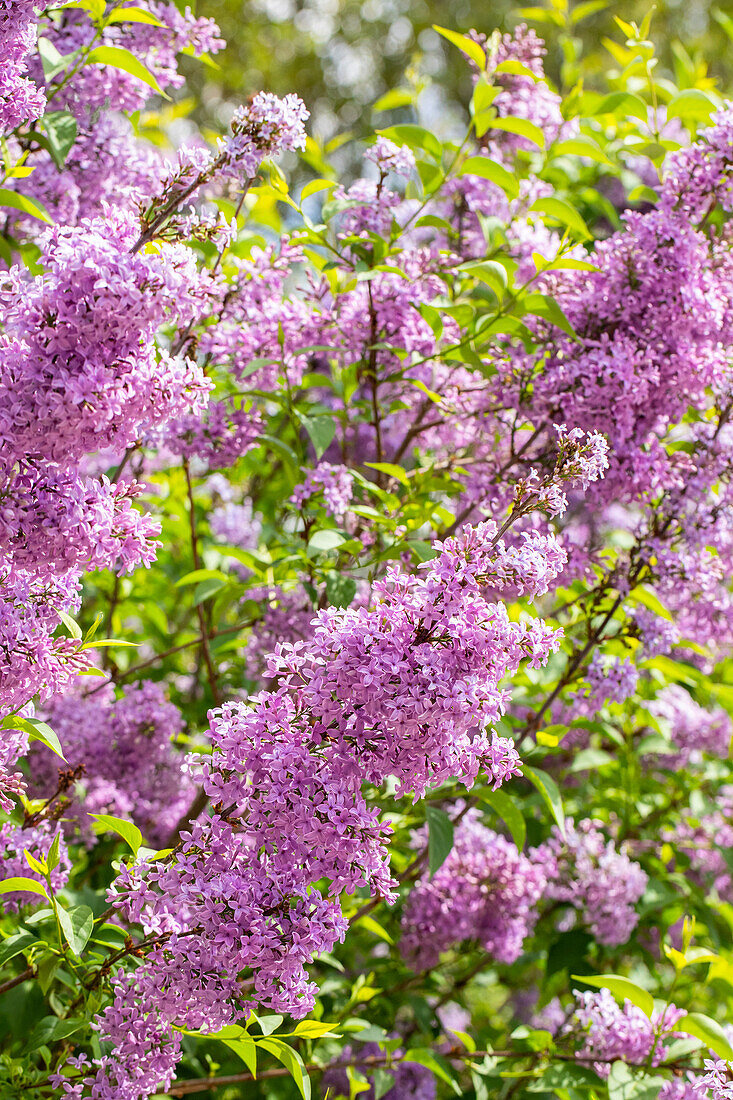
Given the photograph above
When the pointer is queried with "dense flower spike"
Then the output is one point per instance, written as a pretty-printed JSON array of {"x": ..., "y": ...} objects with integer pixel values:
[
  {"x": 601, "y": 883},
  {"x": 131, "y": 769},
  {"x": 20, "y": 100},
  {"x": 608, "y": 1032},
  {"x": 413, "y": 686},
  {"x": 78, "y": 367},
  {"x": 52, "y": 521},
  {"x": 486, "y": 892}
]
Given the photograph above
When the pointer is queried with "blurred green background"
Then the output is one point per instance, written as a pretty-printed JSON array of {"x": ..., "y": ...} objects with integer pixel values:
[{"x": 342, "y": 55}]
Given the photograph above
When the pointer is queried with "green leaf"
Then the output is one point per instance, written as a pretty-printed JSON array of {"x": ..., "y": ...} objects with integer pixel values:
[
  {"x": 465, "y": 45},
  {"x": 625, "y": 1083},
  {"x": 340, "y": 589},
  {"x": 24, "y": 204},
  {"x": 129, "y": 832},
  {"x": 269, "y": 1023},
  {"x": 246, "y": 1049},
  {"x": 52, "y": 859},
  {"x": 489, "y": 170},
  {"x": 415, "y": 137},
  {"x": 46, "y": 971},
  {"x": 292, "y": 1062},
  {"x": 623, "y": 104},
  {"x": 389, "y": 468},
  {"x": 710, "y": 1031},
  {"x": 326, "y": 539},
  {"x": 435, "y": 1063},
  {"x": 15, "y": 945},
  {"x": 22, "y": 885},
  {"x": 690, "y": 104},
  {"x": 133, "y": 15},
  {"x": 320, "y": 429},
  {"x": 60, "y": 129},
  {"x": 34, "y": 864},
  {"x": 397, "y": 97},
  {"x": 51, "y": 60},
  {"x": 622, "y": 988},
  {"x": 583, "y": 11},
  {"x": 547, "y": 787},
  {"x": 382, "y": 1081},
  {"x": 314, "y": 186},
  {"x": 119, "y": 58},
  {"x": 37, "y": 731},
  {"x": 204, "y": 590},
  {"x": 374, "y": 926},
  {"x": 77, "y": 925},
  {"x": 95, "y": 8},
  {"x": 440, "y": 837},
  {"x": 71, "y": 624},
  {"x": 198, "y": 575},
  {"x": 312, "y": 1029},
  {"x": 520, "y": 126},
  {"x": 590, "y": 760},
  {"x": 50, "y": 1029},
  {"x": 648, "y": 600},
  {"x": 503, "y": 805},
  {"x": 542, "y": 305},
  {"x": 581, "y": 147},
  {"x": 562, "y": 212}
]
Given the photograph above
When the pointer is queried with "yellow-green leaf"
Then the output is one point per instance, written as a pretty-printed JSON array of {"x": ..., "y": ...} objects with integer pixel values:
[
  {"x": 622, "y": 988},
  {"x": 119, "y": 58},
  {"x": 465, "y": 45}
]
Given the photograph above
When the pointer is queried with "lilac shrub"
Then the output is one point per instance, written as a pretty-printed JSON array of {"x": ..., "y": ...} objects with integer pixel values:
[{"x": 365, "y": 603}]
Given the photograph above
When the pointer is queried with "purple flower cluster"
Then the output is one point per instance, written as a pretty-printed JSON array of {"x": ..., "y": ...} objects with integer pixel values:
[
  {"x": 20, "y": 100},
  {"x": 131, "y": 769},
  {"x": 607, "y": 1032},
  {"x": 703, "y": 839},
  {"x": 217, "y": 437},
  {"x": 78, "y": 365},
  {"x": 52, "y": 521},
  {"x": 693, "y": 729},
  {"x": 599, "y": 882},
  {"x": 389, "y": 157},
  {"x": 15, "y": 841},
  {"x": 336, "y": 483},
  {"x": 413, "y": 684},
  {"x": 699, "y": 177},
  {"x": 408, "y": 689},
  {"x": 486, "y": 892},
  {"x": 266, "y": 127}
]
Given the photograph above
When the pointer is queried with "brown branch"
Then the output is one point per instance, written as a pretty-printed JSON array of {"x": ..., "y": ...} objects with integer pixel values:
[{"x": 29, "y": 972}]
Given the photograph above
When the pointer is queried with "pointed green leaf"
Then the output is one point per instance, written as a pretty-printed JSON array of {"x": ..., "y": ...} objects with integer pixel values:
[
  {"x": 622, "y": 988},
  {"x": 465, "y": 44},
  {"x": 547, "y": 787},
  {"x": 126, "y": 829},
  {"x": 710, "y": 1031},
  {"x": 60, "y": 128},
  {"x": 292, "y": 1062},
  {"x": 503, "y": 805},
  {"x": 27, "y": 206},
  {"x": 320, "y": 429},
  {"x": 77, "y": 925},
  {"x": 119, "y": 58},
  {"x": 440, "y": 837},
  {"x": 22, "y": 885},
  {"x": 490, "y": 170}
]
